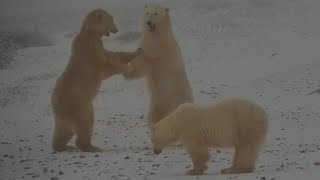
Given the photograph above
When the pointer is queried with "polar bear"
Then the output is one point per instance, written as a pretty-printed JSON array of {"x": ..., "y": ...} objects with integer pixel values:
[
  {"x": 75, "y": 90},
  {"x": 230, "y": 123},
  {"x": 161, "y": 65}
]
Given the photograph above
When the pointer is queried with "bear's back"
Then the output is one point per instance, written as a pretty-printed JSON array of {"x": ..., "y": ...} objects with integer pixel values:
[{"x": 227, "y": 122}]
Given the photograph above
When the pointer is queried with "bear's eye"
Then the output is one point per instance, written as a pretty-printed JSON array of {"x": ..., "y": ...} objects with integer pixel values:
[
  {"x": 155, "y": 14},
  {"x": 147, "y": 13}
]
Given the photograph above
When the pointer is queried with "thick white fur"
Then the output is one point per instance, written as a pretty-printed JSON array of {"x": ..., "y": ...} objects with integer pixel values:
[
  {"x": 76, "y": 88},
  {"x": 230, "y": 123},
  {"x": 161, "y": 66}
]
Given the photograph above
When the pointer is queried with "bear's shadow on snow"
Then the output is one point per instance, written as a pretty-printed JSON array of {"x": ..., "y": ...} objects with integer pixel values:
[
  {"x": 126, "y": 149},
  {"x": 314, "y": 92},
  {"x": 209, "y": 173},
  {"x": 10, "y": 41}
]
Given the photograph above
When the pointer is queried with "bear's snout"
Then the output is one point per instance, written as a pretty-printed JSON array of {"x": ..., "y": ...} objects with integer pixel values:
[
  {"x": 151, "y": 25},
  {"x": 114, "y": 29}
]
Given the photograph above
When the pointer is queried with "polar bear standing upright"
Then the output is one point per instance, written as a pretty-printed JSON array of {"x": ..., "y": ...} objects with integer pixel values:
[
  {"x": 161, "y": 65},
  {"x": 75, "y": 90}
]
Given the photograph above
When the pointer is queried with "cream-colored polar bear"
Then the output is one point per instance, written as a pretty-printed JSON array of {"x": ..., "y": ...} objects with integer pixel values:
[
  {"x": 230, "y": 123},
  {"x": 161, "y": 65},
  {"x": 77, "y": 87}
]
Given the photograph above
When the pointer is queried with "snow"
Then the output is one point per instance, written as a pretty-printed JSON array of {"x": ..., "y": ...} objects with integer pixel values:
[{"x": 266, "y": 51}]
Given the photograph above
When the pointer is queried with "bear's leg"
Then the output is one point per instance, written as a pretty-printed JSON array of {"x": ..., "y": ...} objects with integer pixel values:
[
  {"x": 200, "y": 156},
  {"x": 84, "y": 129},
  {"x": 235, "y": 157},
  {"x": 154, "y": 116},
  {"x": 139, "y": 69},
  {"x": 245, "y": 159},
  {"x": 61, "y": 135},
  {"x": 150, "y": 125}
]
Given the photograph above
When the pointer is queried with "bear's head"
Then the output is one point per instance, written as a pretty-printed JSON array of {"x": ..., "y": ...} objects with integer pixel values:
[
  {"x": 162, "y": 135},
  {"x": 155, "y": 16},
  {"x": 99, "y": 22},
  {"x": 169, "y": 129}
]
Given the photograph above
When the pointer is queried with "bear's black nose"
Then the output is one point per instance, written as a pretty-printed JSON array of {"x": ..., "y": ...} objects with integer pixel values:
[{"x": 148, "y": 23}]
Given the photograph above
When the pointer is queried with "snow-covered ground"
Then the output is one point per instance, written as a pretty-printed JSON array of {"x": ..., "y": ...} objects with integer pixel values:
[{"x": 266, "y": 51}]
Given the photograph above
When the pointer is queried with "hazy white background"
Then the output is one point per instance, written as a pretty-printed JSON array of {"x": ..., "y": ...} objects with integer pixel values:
[{"x": 266, "y": 51}]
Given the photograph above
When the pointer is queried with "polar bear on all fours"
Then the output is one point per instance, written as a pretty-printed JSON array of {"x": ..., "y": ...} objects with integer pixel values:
[
  {"x": 161, "y": 65},
  {"x": 231, "y": 123}
]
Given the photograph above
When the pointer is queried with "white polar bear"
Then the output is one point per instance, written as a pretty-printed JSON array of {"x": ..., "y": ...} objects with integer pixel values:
[
  {"x": 230, "y": 123},
  {"x": 161, "y": 65}
]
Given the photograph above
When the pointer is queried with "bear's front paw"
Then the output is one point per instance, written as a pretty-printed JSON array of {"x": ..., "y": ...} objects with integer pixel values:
[
  {"x": 229, "y": 170},
  {"x": 139, "y": 51},
  {"x": 127, "y": 69}
]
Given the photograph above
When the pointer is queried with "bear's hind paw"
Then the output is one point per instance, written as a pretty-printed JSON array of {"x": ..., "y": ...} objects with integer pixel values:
[{"x": 195, "y": 172}]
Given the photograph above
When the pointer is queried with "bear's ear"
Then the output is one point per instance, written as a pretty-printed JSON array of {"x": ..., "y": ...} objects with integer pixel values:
[
  {"x": 146, "y": 6},
  {"x": 166, "y": 9}
]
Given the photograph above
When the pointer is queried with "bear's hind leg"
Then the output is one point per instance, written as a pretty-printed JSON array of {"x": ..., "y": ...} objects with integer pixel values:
[
  {"x": 245, "y": 159},
  {"x": 200, "y": 156},
  {"x": 61, "y": 136},
  {"x": 229, "y": 170},
  {"x": 84, "y": 129}
]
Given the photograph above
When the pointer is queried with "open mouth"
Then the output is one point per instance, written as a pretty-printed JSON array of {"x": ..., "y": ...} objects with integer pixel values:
[
  {"x": 114, "y": 31},
  {"x": 152, "y": 27},
  {"x": 111, "y": 32}
]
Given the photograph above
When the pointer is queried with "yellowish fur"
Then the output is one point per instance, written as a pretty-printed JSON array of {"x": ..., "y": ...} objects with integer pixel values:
[
  {"x": 77, "y": 87},
  {"x": 161, "y": 65},
  {"x": 231, "y": 123}
]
